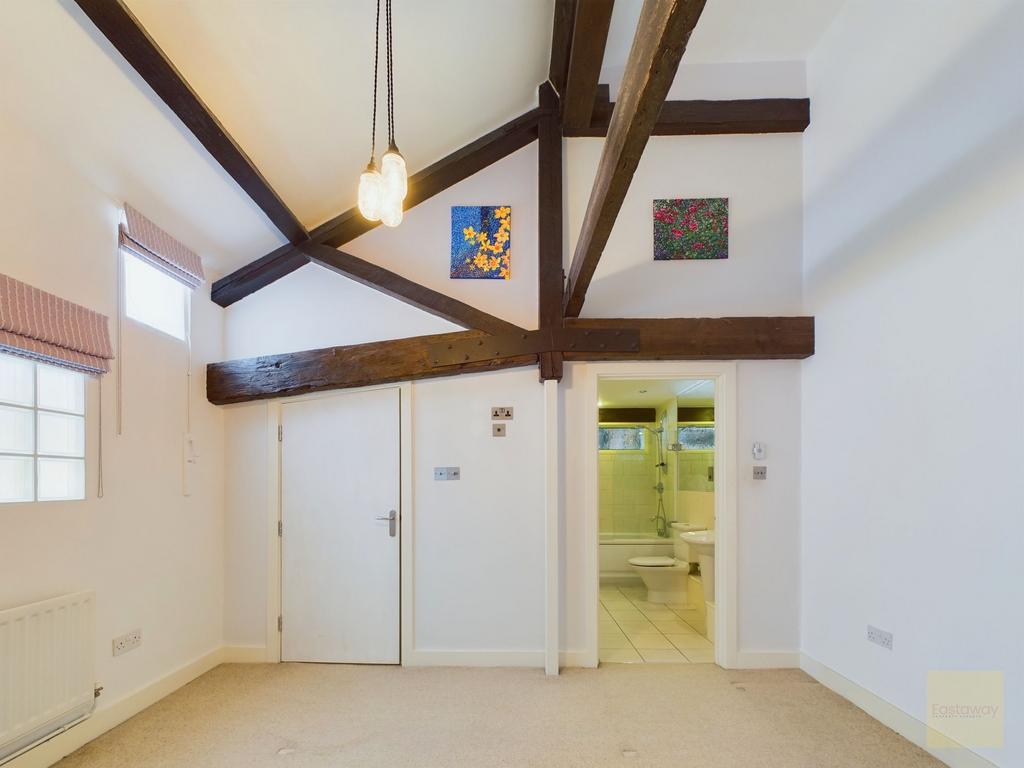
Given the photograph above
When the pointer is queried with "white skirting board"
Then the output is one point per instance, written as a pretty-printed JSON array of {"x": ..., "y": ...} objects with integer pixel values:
[
  {"x": 907, "y": 726},
  {"x": 422, "y": 658}
]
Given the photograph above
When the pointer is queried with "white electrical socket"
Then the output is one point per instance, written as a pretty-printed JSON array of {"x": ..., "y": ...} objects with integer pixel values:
[
  {"x": 129, "y": 641},
  {"x": 880, "y": 637}
]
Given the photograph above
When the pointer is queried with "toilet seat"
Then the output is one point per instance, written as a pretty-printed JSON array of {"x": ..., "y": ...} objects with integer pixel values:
[{"x": 653, "y": 562}]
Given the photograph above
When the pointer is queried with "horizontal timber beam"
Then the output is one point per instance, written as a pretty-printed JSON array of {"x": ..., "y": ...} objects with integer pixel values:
[
  {"x": 707, "y": 118},
  {"x": 113, "y": 19},
  {"x": 545, "y": 340},
  {"x": 357, "y": 365},
  {"x": 404, "y": 289},
  {"x": 349, "y": 225},
  {"x": 708, "y": 338},
  {"x": 626, "y": 415}
]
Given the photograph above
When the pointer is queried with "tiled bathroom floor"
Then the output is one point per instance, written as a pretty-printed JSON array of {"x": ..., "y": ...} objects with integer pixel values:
[{"x": 632, "y": 630}]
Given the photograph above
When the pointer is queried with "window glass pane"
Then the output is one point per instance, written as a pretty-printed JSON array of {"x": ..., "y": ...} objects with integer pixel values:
[
  {"x": 16, "y": 479},
  {"x": 16, "y": 430},
  {"x": 620, "y": 438},
  {"x": 694, "y": 438},
  {"x": 60, "y": 389},
  {"x": 16, "y": 380},
  {"x": 61, "y": 434},
  {"x": 61, "y": 479},
  {"x": 154, "y": 298}
]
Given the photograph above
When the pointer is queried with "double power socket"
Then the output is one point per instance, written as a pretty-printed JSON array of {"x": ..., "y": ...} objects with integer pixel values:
[
  {"x": 500, "y": 413},
  {"x": 129, "y": 641}
]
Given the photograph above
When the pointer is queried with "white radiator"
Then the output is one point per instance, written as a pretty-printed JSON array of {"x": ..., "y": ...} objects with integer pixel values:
[{"x": 46, "y": 669}]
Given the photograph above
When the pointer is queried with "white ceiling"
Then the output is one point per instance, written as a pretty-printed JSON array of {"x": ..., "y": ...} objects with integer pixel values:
[
  {"x": 619, "y": 393},
  {"x": 291, "y": 82}
]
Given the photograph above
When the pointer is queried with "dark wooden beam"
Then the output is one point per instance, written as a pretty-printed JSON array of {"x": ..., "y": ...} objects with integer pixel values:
[
  {"x": 704, "y": 118},
  {"x": 708, "y": 338},
  {"x": 359, "y": 365},
  {"x": 589, "y": 36},
  {"x": 113, "y": 19},
  {"x": 423, "y": 185},
  {"x": 626, "y": 415},
  {"x": 661, "y": 36},
  {"x": 561, "y": 43},
  {"x": 695, "y": 413},
  {"x": 550, "y": 277},
  {"x": 404, "y": 289}
]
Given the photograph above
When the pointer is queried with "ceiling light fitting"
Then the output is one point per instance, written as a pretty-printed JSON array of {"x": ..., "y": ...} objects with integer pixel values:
[{"x": 382, "y": 192}]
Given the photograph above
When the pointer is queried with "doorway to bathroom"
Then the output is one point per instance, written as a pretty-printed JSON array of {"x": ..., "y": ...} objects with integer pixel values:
[{"x": 663, "y": 513}]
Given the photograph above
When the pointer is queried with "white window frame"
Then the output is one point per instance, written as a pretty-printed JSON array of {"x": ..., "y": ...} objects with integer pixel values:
[{"x": 35, "y": 410}]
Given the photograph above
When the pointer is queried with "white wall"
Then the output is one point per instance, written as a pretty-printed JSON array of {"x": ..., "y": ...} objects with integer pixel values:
[
  {"x": 913, "y": 414},
  {"x": 153, "y": 556},
  {"x": 471, "y": 542}
]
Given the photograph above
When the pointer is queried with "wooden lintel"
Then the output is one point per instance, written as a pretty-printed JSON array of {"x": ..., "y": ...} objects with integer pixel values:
[
  {"x": 708, "y": 338},
  {"x": 404, "y": 289},
  {"x": 626, "y": 415},
  {"x": 542, "y": 341},
  {"x": 589, "y": 37},
  {"x": 358, "y": 365},
  {"x": 423, "y": 185},
  {"x": 661, "y": 36},
  {"x": 113, "y": 19}
]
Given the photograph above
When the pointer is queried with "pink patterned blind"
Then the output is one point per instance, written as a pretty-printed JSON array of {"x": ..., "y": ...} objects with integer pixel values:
[
  {"x": 144, "y": 239},
  {"x": 47, "y": 328}
]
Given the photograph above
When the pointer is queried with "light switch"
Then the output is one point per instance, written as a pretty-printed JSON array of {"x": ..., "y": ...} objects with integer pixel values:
[
  {"x": 760, "y": 473},
  {"x": 447, "y": 473}
]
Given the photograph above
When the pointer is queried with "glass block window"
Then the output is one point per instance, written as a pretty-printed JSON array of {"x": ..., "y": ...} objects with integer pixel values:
[
  {"x": 697, "y": 438},
  {"x": 42, "y": 432},
  {"x": 620, "y": 438}
]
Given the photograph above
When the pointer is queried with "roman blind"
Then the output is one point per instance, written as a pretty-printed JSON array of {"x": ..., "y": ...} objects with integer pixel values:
[
  {"x": 49, "y": 329},
  {"x": 144, "y": 239}
]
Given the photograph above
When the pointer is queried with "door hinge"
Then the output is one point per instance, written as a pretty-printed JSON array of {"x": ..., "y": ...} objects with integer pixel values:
[
  {"x": 280, "y": 624},
  {"x": 280, "y": 433},
  {"x": 280, "y": 528}
]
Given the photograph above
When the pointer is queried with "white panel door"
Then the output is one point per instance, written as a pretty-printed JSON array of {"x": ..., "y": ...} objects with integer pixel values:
[{"x": 340, "y": 474}]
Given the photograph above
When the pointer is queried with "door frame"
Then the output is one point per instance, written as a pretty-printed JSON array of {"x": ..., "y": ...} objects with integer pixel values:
[
  {"x": 726, "y": 521},
  {"x": 405, "y": 516}
]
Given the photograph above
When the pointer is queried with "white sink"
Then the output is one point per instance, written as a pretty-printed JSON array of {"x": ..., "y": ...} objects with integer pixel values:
[{"x": 702, "y": 543}]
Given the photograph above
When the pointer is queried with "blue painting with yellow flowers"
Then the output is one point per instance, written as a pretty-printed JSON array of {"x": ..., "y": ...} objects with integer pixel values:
[{"x": 481, "y": 242}]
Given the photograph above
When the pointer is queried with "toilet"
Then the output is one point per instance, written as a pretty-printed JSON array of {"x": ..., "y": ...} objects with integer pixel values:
[{"x": 665, "y": 577}]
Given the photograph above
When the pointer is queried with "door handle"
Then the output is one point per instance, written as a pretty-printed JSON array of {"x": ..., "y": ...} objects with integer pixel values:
[{"x": 392, "y": 518}]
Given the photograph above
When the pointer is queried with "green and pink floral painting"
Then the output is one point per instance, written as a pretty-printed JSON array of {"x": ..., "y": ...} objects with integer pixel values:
[{"x": 691, "y": 228}]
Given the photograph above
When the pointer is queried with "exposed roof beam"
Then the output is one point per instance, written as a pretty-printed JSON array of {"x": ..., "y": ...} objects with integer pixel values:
[
  {"x": 550, "y": 277},
  {"x": 382, "y": 362},
  {"x": 694, "y": 118},
  {"x": 358, "y": 365},
  {"x": 126, "y": 34},
  {"x": 589, "y": 36},
  {"x": 423, "y": 185},
  {"x": 561, "y": 43},
  {"x": 661, "y": 36},
  {"x": 707, "y": 338},
  {"x": 403, "y": 289}
]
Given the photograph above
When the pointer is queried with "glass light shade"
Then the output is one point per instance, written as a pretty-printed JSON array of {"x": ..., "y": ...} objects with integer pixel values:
[
  {"x": 396, "y": 178},
  {"x": 371, "y": 193},
  {"x": 391, "y": 211}
]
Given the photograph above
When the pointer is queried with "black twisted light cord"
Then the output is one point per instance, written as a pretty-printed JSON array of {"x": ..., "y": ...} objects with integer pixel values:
[
  {"x": 391, "y": 79},
  {"x": 376, "y": 56}
]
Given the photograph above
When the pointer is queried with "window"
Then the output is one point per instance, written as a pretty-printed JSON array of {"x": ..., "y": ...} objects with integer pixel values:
[
  {"x": 620, "y": 438},
  {"x": 42, "y": 432},
  {"x": 153, "y": 297},
  {"x": 697, "y": 437}
]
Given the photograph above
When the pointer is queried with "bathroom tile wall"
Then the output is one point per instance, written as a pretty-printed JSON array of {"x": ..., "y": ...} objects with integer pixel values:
[
  {"x": 693, "y": 467},
  {"x": 627, "y": 498}
]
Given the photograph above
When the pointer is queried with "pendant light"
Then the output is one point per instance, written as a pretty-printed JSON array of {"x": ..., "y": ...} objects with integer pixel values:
[
  {"x": 371, "y": 183},
  {"x": 381, "y": 193}
]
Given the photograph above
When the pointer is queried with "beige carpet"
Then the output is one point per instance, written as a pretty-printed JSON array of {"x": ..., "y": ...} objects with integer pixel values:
[{"x": 683, "y": 716}]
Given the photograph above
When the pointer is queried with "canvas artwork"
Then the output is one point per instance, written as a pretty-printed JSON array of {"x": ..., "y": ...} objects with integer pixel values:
[
  {"x": 481, "y": 242},
  {"x": 691, "y": 228}
]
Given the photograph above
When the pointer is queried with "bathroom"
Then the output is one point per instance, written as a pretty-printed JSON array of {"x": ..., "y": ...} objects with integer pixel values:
[{"x": 656, "y": 502}]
